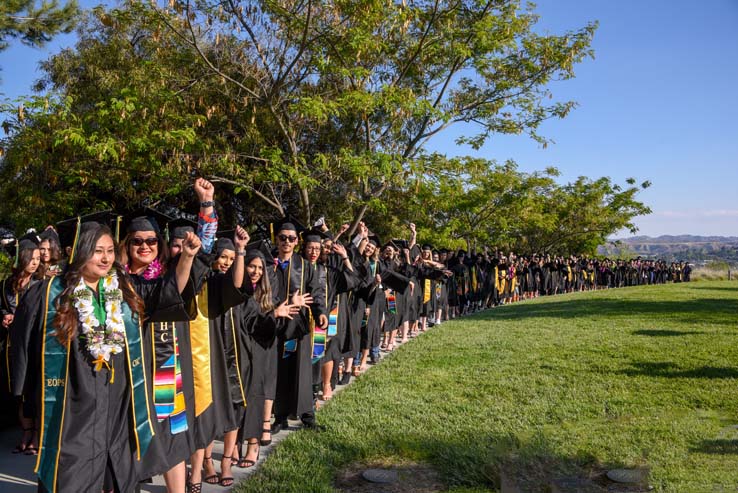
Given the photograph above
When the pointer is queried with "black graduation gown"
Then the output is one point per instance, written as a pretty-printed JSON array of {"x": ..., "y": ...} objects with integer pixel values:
[
  {"x": 97, "y": 428},
  {"x": 225, "y": 413},
  {"x": 8, "y": 306},
  {"x": 259, "y": 331},
  {"x": 294, "y": 395},
  {"x": 340, "y": 282},
  {"x": 394, "y": 280},
  {"x": 369, "y": 297}
]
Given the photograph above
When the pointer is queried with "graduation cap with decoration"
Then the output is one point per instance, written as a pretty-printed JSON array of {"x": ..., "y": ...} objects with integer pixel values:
[{"x": 69, "y": 229}]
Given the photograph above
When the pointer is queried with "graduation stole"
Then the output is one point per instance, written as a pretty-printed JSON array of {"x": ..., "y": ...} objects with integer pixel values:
[
  {"x": 391, "y": 302},
  {"x": 290, "y": 346},
  {"x": 474, "y": 279},
  {"x": 426, "y": 291},
  {"x": 200, "y": 340},
  {"x": 439, "y": 290},
  {"x": 169, "y": 399},
  {"x": 55, "y": 370},
  {"x": 318, "y": 335}
]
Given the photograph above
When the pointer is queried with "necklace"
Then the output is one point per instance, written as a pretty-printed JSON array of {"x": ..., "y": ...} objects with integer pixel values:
[{"x": 101, "y": 342}]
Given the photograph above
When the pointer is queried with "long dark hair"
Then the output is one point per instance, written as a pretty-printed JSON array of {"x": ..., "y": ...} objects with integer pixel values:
[
  {"x": 263, "y": 289},
  {"x": 66, "y": 319},
  {"x": 24, "y": 258}
]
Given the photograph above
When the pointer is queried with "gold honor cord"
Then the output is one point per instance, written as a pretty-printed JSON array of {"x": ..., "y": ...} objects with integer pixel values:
[
  {"x": 426, "y": 291},
  {"x": 235, "y": 348},
  {"x": 200, "y": 340}
]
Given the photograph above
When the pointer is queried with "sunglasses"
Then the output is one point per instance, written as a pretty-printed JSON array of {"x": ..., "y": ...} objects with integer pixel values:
[
  {"x": 140, "y": 241},
  {"x": 291, "y": 239}
]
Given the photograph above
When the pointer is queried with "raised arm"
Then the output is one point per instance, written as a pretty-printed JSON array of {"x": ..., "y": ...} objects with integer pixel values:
[
  {"x": 240, "y": 239},
  {"x": 190, "y": 246},
  {"x": 207, "y": 219}
]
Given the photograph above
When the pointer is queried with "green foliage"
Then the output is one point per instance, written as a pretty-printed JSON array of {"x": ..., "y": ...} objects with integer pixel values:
[
  {"x": 35, "y": 24},
  {"x": 315, "y": 108}
]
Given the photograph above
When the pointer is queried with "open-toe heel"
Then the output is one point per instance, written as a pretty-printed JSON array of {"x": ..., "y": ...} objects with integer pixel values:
[
  {"x": 244, "y": 463},
  {"x": 226, "y": 480},
  {"x": 266, "y": 429},
  {"x": 213, "y": 478}
]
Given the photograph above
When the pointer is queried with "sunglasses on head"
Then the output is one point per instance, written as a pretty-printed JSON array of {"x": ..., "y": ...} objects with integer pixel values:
[
  {"x": 291, "y": 239},
  {"x": 149, "y": 241}
]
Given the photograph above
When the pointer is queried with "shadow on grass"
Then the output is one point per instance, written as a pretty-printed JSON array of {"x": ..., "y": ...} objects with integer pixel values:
[
  {"x": 665, "y": 333},
  {"x": 716, "y": 288},
  {"x": 720, "y": 447},
  {"x": 671, "y": 370},
  {"x": 707, "y": 310},
  {"x": 498, "y": 462}
]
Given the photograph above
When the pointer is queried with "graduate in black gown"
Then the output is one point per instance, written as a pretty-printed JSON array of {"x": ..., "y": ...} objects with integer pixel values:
[
  {"x": 23, "y": 277},
  {"x": 261, "y": 321},
  {"x": 368, "y": 301},
  {"x": 145, "y": 255},
  {"x": 229, "y": 254},
  {"x": 97, "y": 419},
  {"x": 292, "y": 273},
  {"x": 337, "y": 273}
]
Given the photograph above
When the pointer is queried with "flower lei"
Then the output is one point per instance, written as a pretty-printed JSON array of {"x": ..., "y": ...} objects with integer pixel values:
[
  {"x": 152, "y": 271},
  {"x": 101, "y": 343}
]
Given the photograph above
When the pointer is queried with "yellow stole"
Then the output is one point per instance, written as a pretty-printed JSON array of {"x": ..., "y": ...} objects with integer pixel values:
[{"x": 200, "y": 340}]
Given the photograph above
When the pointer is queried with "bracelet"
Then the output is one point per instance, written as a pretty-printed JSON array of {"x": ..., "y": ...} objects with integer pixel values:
[
  {"x": 241, "y": 253},
  {"x": 344, "y": 258},
  {"x": 209, "y": 203}
]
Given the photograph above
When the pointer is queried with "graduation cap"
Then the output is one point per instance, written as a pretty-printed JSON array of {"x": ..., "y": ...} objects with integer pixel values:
[
  {"x": 224, "y": 240},
  {"x": 400, "y": 243},
  {"x": 69, "y": 229},
  {"x": 427, "y": 246},
  {"x": 315, "y": 235},
  {"x": 264, "y": 247},
  {"x": 50, "y": 234},
  {"x": 147, "y": 219},
  {"x": 392, "y": 281},
  {"x": 179, "y": 228},
  {"x": 374, "y": 239},
  {"x": 289, "y": 222},
  {"x": 29, "y": 241}
]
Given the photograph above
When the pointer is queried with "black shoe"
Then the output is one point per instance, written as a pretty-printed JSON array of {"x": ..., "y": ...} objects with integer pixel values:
[
  {"x": 312, "y": 425},
  {"x": 278, "y": 426},
  {"x": 373, "y": 360},
  {"x": 345, "y": 379}
]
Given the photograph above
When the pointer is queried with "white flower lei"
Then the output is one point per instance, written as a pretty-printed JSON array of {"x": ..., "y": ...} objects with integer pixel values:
[{"x": 101, "y": 343}]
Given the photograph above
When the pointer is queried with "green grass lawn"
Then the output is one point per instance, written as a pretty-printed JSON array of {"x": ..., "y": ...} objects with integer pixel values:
[{"x": 564, "y": 386}]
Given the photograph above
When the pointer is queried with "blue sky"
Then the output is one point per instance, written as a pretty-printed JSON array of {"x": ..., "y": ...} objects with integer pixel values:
[{"x": 659, "y": 102}]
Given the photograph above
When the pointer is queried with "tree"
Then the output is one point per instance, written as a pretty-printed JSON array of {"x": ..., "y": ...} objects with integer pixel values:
[
  {"x": 353, "y": 90},
  {"x": 35, "y": 24}
]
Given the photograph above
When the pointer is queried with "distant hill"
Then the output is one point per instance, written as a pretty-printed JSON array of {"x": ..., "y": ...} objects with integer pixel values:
[{"x": 698, "y": 249}]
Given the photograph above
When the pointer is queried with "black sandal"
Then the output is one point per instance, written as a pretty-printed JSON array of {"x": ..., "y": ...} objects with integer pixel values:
[
  {"x": 212, "y": 479},
  {"x": 193, "y": 487},
  {"x": 226, "y": 480},
  {"x": 244, "y": 462},
  {"x": 265, "y": 443}
]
